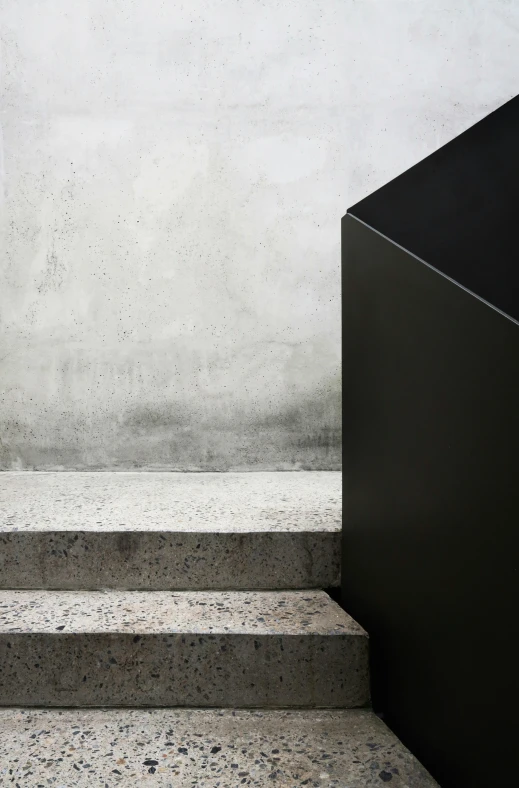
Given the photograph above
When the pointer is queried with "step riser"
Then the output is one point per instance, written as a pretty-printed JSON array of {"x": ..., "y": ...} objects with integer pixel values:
[
  {"x": 183, "y": 670},
  {"x": 168, "y": 561}
]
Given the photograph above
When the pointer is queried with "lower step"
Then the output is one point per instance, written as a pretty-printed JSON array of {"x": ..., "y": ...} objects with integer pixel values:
[
  {"x": 180, "y": 747},
  {"x": 232, "y": 649}
]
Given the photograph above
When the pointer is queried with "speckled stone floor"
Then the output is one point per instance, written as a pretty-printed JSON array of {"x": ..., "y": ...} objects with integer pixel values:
[
  {"x": 174, "y": 748},
  {"x": 309, "y": 501},
  {"x": 199, "y": 612}
]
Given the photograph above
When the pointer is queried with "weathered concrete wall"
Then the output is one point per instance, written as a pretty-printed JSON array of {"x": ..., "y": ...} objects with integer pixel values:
[{"x": 173, "y": 180}]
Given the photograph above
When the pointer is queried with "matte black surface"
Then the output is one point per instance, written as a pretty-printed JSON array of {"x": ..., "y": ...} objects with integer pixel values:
[
  {"x": 458, "y": 209},
  {"x": 431, "y": 508}
]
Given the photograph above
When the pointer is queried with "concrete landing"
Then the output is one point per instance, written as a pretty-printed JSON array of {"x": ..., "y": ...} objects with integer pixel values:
[
  {"x": 236, "y": 502},
  {"x": 170, "y": 531},
  {"x": 234, "y": 649},
  {"x": 174, "y": 748}
]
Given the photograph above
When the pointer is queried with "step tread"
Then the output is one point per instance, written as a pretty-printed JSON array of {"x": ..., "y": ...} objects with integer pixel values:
[
  {"x": 162, "y": 612},
  {"x": 207, "y": 748},
  {"x": 163, "y": 501}
]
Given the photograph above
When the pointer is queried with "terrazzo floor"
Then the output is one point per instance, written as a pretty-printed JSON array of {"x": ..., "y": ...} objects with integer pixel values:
[
  {"x": 212, "y": 502},
  {"x": 203, "y": 748},
  {"x": 160, "y": 612}
]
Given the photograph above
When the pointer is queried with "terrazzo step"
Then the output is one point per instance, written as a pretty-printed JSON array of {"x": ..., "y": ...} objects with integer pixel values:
[
  {"x": 170, "y": 531},
  {"x": 156, "y": 648},
  {"x": 208, "y": 749}
]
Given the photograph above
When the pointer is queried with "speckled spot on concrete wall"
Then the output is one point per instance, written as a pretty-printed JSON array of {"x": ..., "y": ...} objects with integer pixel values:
[{"x": 173, "y": 177}]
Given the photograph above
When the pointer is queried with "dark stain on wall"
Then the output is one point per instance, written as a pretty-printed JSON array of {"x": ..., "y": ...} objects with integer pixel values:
[{"x": 304, "y": 435}]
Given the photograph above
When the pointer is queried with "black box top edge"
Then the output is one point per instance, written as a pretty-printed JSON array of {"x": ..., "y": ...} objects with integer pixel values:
[{"x": 457, "y": 209}]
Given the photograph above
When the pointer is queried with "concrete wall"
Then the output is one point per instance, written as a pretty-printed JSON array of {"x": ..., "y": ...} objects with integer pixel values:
[{"x": 173, "y": 179}]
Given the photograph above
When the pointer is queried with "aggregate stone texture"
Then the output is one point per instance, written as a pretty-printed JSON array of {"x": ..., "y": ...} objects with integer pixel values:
[
  {"x": 170, "y": 531},
  {"x": 123, "y": 501},
  {"x": 155, "y": 648},
  {"x": 175, "y": 748}
]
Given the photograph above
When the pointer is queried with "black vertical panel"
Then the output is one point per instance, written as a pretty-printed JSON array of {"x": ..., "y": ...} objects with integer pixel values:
[
  {"x": 431, "y": 507},
  {"x": 457, "y": 209}
]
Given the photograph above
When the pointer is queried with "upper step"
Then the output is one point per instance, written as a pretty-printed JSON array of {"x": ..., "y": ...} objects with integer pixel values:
[
  {"x": 170, "y": 531},
  {"x": 156, "y": 648}
]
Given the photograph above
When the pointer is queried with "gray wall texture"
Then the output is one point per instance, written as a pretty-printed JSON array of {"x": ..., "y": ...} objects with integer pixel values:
[{"x": 173, "y": 177}]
